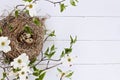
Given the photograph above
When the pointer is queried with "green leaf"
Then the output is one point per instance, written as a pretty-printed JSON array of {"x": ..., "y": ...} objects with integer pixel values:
[
  {"x": 4, "y": 74},
  {"x": 36, "y": 73},
  {"x": 76, "y": 0},
  {"x": 41, "y": 77},
  {"x": 52, "y": 48},
  {"x": 59, "y": 70},
  {"x": 68, "y": 50},
  {"x": 35, "y": 69},
  {"x": 16, "y": 13},
  {"x": 69, "y": 75},
  {"x": 27, "y": 11},
  {"x": 37, "y": 79},
  {"x": 62, "y": 7},
  {"x": 72, "y": 2},
  {"x": 51, "y": 54},
  {"x": 10, "y": 27},
  {"x": 1, "y": 31},
  {"x": 52, "y": 34},
  {"x": 32, "y": 61},
  {"x": 46, "y": 52},
  {"x": 28, "y": 0},
  {"x": 27, "y": 29},
  {"x": 73, "y": 40},
  {"x": 36, "y": 21},
  {"x": 62, "y": 54},
  {"x": 16, "y": 70}
]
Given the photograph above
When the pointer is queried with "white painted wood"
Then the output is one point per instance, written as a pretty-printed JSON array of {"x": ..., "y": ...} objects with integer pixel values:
[
  {"x": 83, "y": 8},
  {"x": 85, "y": 28},
  {"x": 110, "y": 72},
  {"x": 87, "y": 72},
  {"x": 97, "y": 25},
  {"x": 90, "y": 52}
]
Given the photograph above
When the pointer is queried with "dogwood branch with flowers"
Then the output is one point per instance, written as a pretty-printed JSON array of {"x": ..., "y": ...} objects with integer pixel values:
[{"x": 21, "y": 67}]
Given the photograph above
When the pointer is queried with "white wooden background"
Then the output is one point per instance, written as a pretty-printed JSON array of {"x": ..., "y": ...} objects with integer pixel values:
[{"x": 97, "y": 25}]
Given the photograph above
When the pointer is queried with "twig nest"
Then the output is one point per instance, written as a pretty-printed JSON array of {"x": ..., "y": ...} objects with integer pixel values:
[{"x": 25, "y": 34}]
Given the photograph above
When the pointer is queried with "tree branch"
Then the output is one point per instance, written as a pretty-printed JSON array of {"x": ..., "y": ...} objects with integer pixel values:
[{"x": 57, "y": 2}]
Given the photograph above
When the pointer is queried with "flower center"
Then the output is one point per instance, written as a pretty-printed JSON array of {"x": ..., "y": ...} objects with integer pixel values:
[
  {"x": 22, "y": 72},
  {"x": 3, "y": 43},
  {"x": 19, "y": 61},
  {"x": 30, "y": 6},
  {"x": 69, "y": 59}
]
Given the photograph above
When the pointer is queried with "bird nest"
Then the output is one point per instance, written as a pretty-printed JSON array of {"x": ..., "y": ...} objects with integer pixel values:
[{"x": 25, "y": 33}]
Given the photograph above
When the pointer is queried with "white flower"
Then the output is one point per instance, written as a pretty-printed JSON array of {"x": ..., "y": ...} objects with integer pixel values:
[
  {"x": 68, "y": 60},
  {"x": 4, "y": 44},
  {"x": 30, "y": 6},
  {"x": 23, "y": 73},
  {"x": 21, "y": 61}
]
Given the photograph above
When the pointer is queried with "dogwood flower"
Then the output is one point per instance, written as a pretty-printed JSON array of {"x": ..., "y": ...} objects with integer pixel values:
[
  {"x": 20, "y": 61},
  {"x": 4, "y": 44},
  {"x": 23, "y": 73},
  {"x": 30, "y": 6},
  {"x": 68, "y": 60}
]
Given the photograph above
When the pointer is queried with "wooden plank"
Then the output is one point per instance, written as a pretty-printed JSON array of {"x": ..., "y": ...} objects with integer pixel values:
[
  {"x": 84, "y": 8},
  {"x": 85, "y": 28},
  {"x": 88, "y": 72},
  {"x": 84, "y": 72},
  {"x": 90, "y": 52}
]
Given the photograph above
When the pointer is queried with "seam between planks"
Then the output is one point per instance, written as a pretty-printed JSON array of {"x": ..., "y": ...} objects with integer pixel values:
[
  {"x": 90, "y": 40},
  {"x": 90, "y": 16}
]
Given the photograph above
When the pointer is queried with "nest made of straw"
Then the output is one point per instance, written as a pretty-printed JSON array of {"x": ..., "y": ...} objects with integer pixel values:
[{"x": 22, "y": 41}]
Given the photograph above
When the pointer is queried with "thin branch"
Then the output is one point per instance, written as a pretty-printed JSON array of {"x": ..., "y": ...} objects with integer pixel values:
[
  {"x": 53, "y": 2},
  {"x": 19, "y": 5},
  {"x": 51, "y": 60},
  {"x": 39, "y": 62},
  {"x": 35, "y": 1},
  {"x": 46, "y": 38},
  {"x": 52, "y": 67}
]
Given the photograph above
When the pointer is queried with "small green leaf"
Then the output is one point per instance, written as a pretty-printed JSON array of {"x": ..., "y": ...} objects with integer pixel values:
[
  {"x": 27, "y": 11},
  {"x": 10, "y": 27},
  {"x": 27, "y": 29},
  {"x": 72, "y": 2},
  {"x": 73, "y": 40},
  {"x": 36, "y": 21},
  {"x": 76, "y": 0},
  {"x": 16, "y": 70},
  {"x": 59, "y": 70},
  {"x": 52, "y": 48},
  {"x": 0, "y": 30},
  {"x": 28, "y": 0},
  {"x": 68, "y": 50},
  {"x": 41, "y": 77},
  {"x": 16, "y": 13},
  {"x": 4, "y": 74},
  {"x": 52, "y": 34},
  {"x": 46, "y": 52},
  {"x": 62, "y": 54},
  {"x": 35, "y": 69},
  {"x": 51, "y": 54},
  {"x": 36, "y": 73},
  {"x": 32, "y": 61},
  {"x": 69, "y": 75},
  {"x": 62, "y": 7}
]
